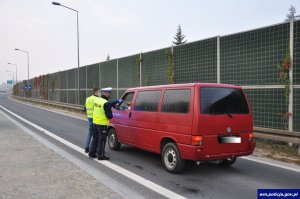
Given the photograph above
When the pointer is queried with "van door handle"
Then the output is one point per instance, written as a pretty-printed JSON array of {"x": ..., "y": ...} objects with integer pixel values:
[{"x": 129, "y": 115}]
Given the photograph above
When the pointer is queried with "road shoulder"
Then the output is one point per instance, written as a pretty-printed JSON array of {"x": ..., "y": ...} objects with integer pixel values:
[{"x": 31, "y": 170}]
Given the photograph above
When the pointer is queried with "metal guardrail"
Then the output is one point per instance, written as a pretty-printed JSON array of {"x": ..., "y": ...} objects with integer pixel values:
[
  {"x": 264, "y": 133},
  {"x": 74, "y": 107}
]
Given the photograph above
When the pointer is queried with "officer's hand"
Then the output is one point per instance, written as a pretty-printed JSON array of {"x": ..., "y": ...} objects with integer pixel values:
[{"x": 120, "y": 101}]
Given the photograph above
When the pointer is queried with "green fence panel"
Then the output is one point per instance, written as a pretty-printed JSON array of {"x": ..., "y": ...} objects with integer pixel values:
[
  {"x": 196, "y": 62},
  {"x": 82, "y": 77},
  {"x": 72, "y": 96},
  {"x": 251, "y": 58},
  {"x": 63, "y": 80},
  {"x": 54, "y": 81},
  {"x": 129, "y": 71},
  {"x": 63, "y": 96},
  {"x": 108, "y": 72},
  {"x": 71, "y": 78},
  {"x": 269, "y": 107},
  {"x": 120, "y": 93},
  {"x": 54, "y": 95},
  {"x": 154, "y": 68},
  {"x": 82, "y": 97},
  {"x": 92, "y": 77}
]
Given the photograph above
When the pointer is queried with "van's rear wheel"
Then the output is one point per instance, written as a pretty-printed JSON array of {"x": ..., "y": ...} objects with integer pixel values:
[
  {"x": 171, "y": 158},
  {"x": 228, "y": 161},
  {"x": 113, "y": 142}
]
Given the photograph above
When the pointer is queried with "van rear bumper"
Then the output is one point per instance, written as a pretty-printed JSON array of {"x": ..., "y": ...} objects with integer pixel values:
[{"x": 195, "y": 153}]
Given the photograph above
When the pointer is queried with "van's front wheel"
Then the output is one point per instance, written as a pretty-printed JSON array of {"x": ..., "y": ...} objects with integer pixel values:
[
  {"x": 171, "y": 158},
  {"x": 113, "y": 142}
]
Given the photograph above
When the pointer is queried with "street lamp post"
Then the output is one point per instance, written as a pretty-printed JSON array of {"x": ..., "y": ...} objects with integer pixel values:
[
  {"x": 13, "y": 75},
  {"x": 78, "y": 64},
  {"x": 16, "y": 71},
  {"x": 27, "y": 60}
]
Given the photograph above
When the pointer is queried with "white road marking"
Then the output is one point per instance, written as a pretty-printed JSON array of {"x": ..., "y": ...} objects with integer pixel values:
[
  {"x": 151, "y": 185},
  {"x": 250, "y": 158},
  {"x": 279, "y": 165}
]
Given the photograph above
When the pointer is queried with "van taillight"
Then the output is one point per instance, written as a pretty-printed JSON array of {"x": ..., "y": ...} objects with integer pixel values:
[
  {"x": 251, "y": 137},
  {"x": 197, "y": 140}
]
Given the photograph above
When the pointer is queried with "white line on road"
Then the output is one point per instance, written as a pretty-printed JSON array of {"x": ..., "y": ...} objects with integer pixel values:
[
  {"x": 151, "y": 185},
  {"x": 250, "y": 158},
  {"x": 273, "y": 163}
]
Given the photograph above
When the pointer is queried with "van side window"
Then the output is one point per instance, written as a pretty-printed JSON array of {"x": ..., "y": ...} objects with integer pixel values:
[
  {"x": 147, "y": 101},
  {"x": 176, "y": 101}
]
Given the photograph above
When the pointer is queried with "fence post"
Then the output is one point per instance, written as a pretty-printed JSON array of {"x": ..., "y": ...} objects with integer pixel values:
[
  {"x": 218, "y": 61},
  {"x": 67, "y": 87},
  {"x": 100, "y": 75},
  {"x": 141, "y": 69},
  {"x": 117, "y": 78},
  {"x": 291, "y": 47},
  {"x": 85, "y": 81}
]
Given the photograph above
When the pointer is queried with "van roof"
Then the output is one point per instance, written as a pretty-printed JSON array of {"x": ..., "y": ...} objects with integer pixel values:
[{"x": 183, "y": 85}]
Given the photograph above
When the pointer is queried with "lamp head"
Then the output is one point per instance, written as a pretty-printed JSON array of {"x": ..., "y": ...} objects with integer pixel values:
[{"x": 56, "y": 3}]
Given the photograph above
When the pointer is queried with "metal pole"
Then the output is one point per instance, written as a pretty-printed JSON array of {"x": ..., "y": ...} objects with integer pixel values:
[
  {"x": 140, "y": 70},
  {"x": 16, "y": 74},
  {"x": 117, "y": 78},
  {"x": 291, "y": 47},
  {"x": 78, "y": 89},
  {"x": 13, "y": 75},
  {"x": 218, "y": 61},
  {"x": 78, "y": 100},
  {"x": 16, "y": 71},
  {"x": 28, "y": 65},
  {"x": 27, "y": 60}
]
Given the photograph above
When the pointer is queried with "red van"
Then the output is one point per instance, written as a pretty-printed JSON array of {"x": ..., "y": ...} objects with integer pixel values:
[{"x": 198, "y": 122}]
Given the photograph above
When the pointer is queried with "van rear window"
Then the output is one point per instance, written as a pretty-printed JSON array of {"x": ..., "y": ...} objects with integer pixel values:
[{"x": 223, "y": 101}]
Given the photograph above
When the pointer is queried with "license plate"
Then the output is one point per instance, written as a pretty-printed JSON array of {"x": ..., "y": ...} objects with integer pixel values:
[{"x": 229, "y": 139}]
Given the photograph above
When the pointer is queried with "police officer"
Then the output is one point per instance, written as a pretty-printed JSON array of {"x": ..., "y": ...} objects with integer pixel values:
[
  {"x": 101, "y": 116},
  {"x": 89, "y": 107}
]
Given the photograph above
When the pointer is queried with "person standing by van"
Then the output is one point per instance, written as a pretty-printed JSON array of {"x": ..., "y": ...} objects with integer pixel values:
[
  {"x": 89, "y": 107},
  {"x": 101, "y": 116}
]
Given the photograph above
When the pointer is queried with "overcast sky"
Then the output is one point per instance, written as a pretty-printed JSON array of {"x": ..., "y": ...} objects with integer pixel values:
[{"x": 118, "y": 28}]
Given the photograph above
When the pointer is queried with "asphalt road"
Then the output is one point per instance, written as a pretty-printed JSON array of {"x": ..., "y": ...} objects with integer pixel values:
[{"x": 207, "y": 180}]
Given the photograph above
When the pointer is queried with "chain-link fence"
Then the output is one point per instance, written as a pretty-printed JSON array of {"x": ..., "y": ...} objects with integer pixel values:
[{"x": 249, "y": 59}]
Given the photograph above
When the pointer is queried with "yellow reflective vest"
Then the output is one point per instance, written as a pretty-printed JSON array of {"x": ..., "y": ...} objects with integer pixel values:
[
  {"x": 89, "y": 105},
  {"x": 99, "y": 116}
]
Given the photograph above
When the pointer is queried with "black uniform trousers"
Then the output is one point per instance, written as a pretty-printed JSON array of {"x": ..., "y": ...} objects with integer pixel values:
[{"x": 99, "y": 140}]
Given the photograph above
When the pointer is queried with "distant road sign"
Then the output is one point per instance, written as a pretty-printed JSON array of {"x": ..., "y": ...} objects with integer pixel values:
[
  {"x": 27, "y": 87},
  {"x": 9, "y": 81}
]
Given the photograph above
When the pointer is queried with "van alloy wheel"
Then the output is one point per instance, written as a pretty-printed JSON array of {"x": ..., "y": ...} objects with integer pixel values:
[
  {"x": 171, "y": 158},
  {"x": 113, "y": 142}
]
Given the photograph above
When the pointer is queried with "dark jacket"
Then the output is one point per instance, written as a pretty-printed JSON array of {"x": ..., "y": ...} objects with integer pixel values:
[{"x": 107, "y": 108}]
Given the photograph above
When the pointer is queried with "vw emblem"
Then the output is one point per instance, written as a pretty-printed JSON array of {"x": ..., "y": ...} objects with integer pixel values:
[{"x": 228, "y": 130}]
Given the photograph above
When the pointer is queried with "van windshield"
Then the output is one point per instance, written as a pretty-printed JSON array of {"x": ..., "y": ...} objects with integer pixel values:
[{"x": 215, "y": 100}]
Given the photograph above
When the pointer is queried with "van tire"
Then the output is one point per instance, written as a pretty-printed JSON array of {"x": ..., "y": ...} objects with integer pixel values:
[
  {"x": 227, "y": 162},
  {"x": 113, "y": 142},
  {"x": 171, "y": 158}
]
